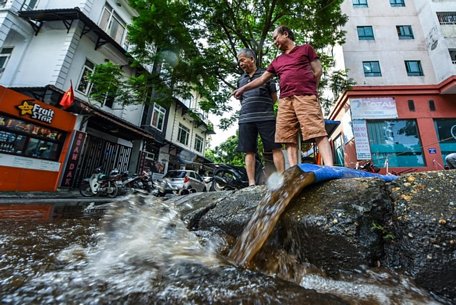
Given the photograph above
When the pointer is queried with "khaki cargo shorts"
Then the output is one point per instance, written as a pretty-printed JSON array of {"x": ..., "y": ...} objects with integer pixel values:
[{"x": 304, "y": 111}]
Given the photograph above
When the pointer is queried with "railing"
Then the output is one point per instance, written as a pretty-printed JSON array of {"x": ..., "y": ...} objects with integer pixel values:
[
  {"x": 446, "y": 18},
  {"x": 28, "y": 5}
]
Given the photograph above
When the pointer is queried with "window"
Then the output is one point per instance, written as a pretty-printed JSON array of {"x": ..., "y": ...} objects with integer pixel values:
[
  {"x": 339, "y": 150},
  {"x": 112, "y": 24},
  {"x": 199, "y": 141},
  {"x": 18, "y": 137},
  {"x": 431, "y": 105},
  {"x": 397, "y": 2},
  {"x": 413, "y": 68},
  {"x": 182, "y": 135},
  {"x": 411, "y": 105},
  {"x": 404, "y": 32},
  {"x": 447, "y": 17},
  {"x": 158, "y": 117},
  {"x": 28, "y": 5},
  {"x": 446, "y": 133},
  {"x": 84, "y": 85},
  {"x": 5, "y": 55},
  {"x": 359, "y": 3},
  {"x": 397, "y": 141},
  {"x": 109, "y": 100},
  {"x": 371, "y": 68},
  {"x": 365, "y": 33},
  {"x": 452, "y": 55}
]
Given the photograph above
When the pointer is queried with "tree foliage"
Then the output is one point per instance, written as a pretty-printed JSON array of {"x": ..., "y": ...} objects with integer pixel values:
[
  {"x": 337, "y": 82},
  {"x": 191, "y": 45},
  {"x": 227, "y": 153}
]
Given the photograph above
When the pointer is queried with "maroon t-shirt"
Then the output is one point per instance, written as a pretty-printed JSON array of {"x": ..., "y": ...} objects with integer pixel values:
[{"x": 295, "y": 72}]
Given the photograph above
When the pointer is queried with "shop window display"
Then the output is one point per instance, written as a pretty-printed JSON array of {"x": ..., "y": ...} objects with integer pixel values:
[
  {"x": 395, "y": 141},
  {"x": 18, "y": 137}
]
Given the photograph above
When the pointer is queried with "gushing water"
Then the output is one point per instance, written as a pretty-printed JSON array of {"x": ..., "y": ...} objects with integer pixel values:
[
  {"x": 136, "y": 245},
  {"x": 268, "y": 213}
]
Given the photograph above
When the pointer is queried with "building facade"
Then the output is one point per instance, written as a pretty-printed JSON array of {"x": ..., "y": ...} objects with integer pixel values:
[
  {"x": 46, "y": 46},
  {"x": 184, "y": 129},
  {"x": 401, "y": 114}
]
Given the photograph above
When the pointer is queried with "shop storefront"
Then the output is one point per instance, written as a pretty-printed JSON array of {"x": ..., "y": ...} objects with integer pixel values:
[
  {"x": 34, "y": 140},
  {"x": 398, "y": 130}
]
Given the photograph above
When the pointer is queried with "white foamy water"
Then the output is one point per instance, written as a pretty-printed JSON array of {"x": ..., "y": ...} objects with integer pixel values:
[
  {"x": 381, "y": 290},
  {"x": 137, "y": 243},
  {"x": 275, "y": 181}
]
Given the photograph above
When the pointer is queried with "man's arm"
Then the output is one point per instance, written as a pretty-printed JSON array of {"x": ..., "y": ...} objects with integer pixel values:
[
  {"x": 317, "y": 70},
  {"x": 253, "y": 84},
  {"x": 274, "y": 97}
]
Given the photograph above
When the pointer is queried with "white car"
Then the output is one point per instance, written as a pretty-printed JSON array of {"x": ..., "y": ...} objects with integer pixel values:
[{"x": 181, "y": 182}]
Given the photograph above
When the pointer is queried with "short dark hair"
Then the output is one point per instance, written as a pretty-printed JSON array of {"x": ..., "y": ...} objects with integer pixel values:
[
  {"x": 282, "y": 29},
  {"x": 248, "y": 52}
]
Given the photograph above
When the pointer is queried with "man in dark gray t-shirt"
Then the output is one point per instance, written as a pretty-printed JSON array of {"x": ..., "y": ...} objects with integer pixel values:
[{"x": 257, "y": 116}]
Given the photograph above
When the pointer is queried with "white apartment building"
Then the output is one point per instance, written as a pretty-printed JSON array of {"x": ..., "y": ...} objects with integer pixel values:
[
  {"x": 391, "y": 39},
  {"x": 402, "y": 56},
  {"x": 47, "y": 45}
]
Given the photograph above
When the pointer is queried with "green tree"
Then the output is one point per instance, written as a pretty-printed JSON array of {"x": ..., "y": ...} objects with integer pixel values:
[
  {"x": 191, "y": 45},
  {"x": 227, "y": 152},
  {"x": 338, "y": 82}
]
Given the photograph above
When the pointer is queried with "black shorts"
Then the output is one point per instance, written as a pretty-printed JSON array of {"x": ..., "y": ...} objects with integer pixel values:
[{"x": 248, "y": 135}]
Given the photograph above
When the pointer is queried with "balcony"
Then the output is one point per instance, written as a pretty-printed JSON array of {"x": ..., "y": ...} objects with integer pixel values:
[
  {"x": 446, "y": 18},
  {"x": 28, "y": 5},
  {"x": 36, "y": 18}
]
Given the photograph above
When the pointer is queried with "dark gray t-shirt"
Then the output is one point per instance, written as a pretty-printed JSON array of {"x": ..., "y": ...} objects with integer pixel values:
[{"x": 256, "y": 104}]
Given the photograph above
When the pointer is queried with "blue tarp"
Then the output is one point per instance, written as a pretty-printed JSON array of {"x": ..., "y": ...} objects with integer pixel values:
[{"x": 324, "y": 173}]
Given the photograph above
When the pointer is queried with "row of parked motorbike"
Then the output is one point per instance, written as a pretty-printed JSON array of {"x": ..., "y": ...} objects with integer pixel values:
[
  {"x": 224, "y": 177},
  {"x": 115, "y": 183}
]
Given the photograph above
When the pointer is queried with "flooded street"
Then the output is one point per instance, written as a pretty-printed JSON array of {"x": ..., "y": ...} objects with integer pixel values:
[
  {"x": 140, "y": 252},
  {"x": 136, "y": 254}
]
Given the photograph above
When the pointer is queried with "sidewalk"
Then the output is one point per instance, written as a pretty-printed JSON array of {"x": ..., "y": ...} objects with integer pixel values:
[{"x": 49, "y": 197}]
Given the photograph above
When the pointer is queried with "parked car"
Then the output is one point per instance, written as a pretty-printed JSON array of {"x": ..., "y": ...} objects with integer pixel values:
[{"x": 181, "y": 182}]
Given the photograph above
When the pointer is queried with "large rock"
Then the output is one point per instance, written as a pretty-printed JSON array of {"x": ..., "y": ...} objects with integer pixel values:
[
  {"x": 424, "y": 229},
  {"x": 229, "y": 211},
  {"x": 332, "y": 225},
  {"x": 407, "y": 225}
]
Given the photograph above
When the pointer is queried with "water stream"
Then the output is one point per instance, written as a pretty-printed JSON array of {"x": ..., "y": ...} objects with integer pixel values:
[{"x": 268, "y": 214}]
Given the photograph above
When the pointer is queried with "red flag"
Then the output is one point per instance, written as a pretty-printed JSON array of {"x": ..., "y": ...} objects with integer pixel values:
[{"x": 68, "y": 98}]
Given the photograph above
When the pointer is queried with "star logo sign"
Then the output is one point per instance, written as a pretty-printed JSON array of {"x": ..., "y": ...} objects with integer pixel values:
[{"x": 26, "y": 108}]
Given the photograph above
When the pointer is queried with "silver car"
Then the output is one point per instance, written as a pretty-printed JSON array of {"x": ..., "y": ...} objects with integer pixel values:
[{"x": 181, "y": 182}]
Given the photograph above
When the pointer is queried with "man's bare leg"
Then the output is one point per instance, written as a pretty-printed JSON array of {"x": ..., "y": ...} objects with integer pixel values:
[
  {"x": 250, "y": 167},
  {"x": 279, "y": 160},
  {"x": 292, "y": 152},
  {"x": 325, "y": 150}
]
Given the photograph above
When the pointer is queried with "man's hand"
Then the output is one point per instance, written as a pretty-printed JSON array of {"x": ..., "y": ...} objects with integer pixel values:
[{"x": 238, "y": 93}]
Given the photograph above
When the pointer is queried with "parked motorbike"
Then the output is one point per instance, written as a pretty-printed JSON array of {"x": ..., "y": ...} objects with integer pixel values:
[
  {"x": 368, "y": 167},
  {"x": 99, "y": 184},
  {"x": 231, "y": 177},
  {"x": 135, "y": 183}
]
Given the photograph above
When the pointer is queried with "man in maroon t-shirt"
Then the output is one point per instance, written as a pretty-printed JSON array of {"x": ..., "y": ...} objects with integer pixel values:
[{"x": 299, "y": 71}]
